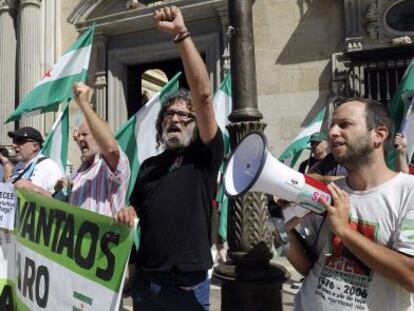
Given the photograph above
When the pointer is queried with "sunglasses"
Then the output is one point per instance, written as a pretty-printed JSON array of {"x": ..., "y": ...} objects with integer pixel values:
[{"x": 20, "y": 141}]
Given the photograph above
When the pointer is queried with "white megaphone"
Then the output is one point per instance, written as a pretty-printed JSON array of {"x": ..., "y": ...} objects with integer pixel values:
[{"x": 253, "y": 168}]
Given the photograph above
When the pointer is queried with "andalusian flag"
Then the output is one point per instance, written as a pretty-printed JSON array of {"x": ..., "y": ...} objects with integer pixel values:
[
  {"x": 401, "y": 99},
  {"x": 56, "y": 85},
  {"x": 222, "y": 106},
  {"x": 401, "y": 114},
  {"x": 137, "y": 136},
  {"x": 301, "y": 142},
  {"x": 55, "y": 146}
]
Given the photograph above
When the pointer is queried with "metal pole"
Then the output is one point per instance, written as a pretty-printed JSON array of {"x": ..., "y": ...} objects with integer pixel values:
[
  {"x": 249, "y": 281},
  {"x": 243, "y": 61}
]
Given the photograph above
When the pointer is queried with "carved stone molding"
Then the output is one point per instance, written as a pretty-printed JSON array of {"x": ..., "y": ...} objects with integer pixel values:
[
  {"x": 7, "y": 5},
  {"x": 100, "y": 79},
  {"x": 371, "y": 21},
  {"x": 365, "y": 24},
  {"x": 23, "y": 3},
  {"x": 4, "y": 6}
]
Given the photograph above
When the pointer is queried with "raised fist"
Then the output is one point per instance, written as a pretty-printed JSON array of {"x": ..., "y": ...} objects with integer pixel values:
[
  {"x": 170, "y": 20},
  {"x": 82, "y": 93}
]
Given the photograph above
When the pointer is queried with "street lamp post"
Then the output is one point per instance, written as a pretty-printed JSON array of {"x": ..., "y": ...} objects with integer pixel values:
[{"x": 249, "y": 281}]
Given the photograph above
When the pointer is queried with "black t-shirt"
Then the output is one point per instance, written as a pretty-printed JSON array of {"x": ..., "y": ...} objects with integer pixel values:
[
  {"x": 304, "y": 165},
  {"x": 173, "y": 198},
  {"x": 328, "y": 166}
]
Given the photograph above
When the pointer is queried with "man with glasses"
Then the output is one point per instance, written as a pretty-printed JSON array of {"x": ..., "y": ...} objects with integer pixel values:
[
  {"x": 34, "y": 171},
  {"x": 174, "y": 190}
]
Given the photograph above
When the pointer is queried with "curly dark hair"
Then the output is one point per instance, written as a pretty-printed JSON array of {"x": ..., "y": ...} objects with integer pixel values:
[{"x": 167, "y": 101}]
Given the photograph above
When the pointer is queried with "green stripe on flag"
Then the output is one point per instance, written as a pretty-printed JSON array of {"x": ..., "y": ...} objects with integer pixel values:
[
  {"x": 55, "y": 146},
  {"x": 56, "y": 85},
  {"x": 85, "y": 39},
  {"x": 399, "y": 102},
  {"x": 223, "y": 103},
  {"x": 397, "y": 109},
  {"x": 83, "y": 298}
]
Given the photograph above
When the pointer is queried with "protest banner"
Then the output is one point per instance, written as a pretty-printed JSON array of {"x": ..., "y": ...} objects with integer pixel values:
[
  {"x": 7, "y": 206},
  {"x": 67, "y": 258},
  {"x": 7, "y": 269}
]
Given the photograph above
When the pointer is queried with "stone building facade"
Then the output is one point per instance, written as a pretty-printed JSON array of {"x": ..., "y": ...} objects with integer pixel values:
[{"x": 308, "y": 52}]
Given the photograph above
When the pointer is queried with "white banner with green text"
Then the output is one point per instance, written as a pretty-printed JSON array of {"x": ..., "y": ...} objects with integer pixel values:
[{"x": 66, "y": 258}]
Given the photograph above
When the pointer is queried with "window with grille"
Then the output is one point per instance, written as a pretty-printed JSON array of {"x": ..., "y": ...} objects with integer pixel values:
[{"x": 376, "y": 73}]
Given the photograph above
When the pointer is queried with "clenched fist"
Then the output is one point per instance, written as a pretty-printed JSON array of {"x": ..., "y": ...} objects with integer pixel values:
[
  {"x": 82, "y": 93},
  {"x": 170, "y": 20}
]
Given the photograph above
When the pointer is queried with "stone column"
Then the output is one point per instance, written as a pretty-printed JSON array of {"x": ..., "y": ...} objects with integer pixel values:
[
  {"x": 100, "y": 75},
  {"x": 7, "y": 68},
  {"x": 29, "y": 54}
]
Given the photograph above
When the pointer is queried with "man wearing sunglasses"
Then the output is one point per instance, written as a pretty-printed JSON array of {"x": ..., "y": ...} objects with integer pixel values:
[
  {"x": 174, "y": 190},
  {"x": 34, "y": 171}
]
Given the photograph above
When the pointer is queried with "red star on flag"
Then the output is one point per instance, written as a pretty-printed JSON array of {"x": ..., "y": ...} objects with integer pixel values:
[{"x": 47, "y": 74}]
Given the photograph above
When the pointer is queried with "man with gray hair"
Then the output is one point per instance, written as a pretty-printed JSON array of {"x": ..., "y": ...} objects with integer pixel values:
[
  {"x": 34, "y": 171},
  {"x": 174, "y": 191}
]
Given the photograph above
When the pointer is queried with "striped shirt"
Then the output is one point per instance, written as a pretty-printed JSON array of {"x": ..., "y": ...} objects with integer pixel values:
[{"x": 99, "y": 189}]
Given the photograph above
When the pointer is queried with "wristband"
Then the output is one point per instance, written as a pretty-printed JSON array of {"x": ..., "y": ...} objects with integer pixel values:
[{"x": 181, "y": 37}]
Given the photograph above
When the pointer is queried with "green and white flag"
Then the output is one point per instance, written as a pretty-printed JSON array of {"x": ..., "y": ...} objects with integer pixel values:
[
  {"x": 222, "y": 106},
  {"x": 137, "y": 136},
  {"x": 56, "y": 85},
  {"x": 55, "y": 146},
  {"x": 401, "y": 99},
  {"x": 301, "y": 142},
  {"x": 398, "y": 108}
]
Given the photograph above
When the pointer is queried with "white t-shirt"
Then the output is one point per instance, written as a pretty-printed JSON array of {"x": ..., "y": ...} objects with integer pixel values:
[
  {"x": 45, "y": 174},
  {"x": 339, "y": 280}
]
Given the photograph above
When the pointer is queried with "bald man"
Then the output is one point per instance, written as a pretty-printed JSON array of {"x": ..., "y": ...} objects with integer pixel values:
[{"x": 101, "y": 182}]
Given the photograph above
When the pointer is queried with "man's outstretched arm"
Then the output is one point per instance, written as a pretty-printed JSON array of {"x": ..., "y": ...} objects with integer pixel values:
[
  {"x": 99, "y": 129},
  {"x": 170, "y": 20}
]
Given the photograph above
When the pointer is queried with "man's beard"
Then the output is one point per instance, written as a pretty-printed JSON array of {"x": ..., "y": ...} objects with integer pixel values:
[
  {"x": 177, "y": 143},
  {"x": 358, "y": 153}
]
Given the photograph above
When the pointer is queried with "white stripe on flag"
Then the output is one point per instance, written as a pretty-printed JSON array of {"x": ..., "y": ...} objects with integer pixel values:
[
  {"x": 313, "y": 128},
  {"x": 55, "y": 152},
  {"x": 222, "y": 108},
  {"x": 145, "y": 131},
  {"x": 69, "y": 64}
]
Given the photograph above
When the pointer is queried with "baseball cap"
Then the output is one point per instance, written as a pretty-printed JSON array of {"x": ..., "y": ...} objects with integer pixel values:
[
  {"x": 26, "y": 133},
  {"x": 318, "y": 136}
]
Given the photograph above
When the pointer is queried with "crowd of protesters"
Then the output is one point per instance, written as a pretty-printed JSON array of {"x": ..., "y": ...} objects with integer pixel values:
[{"x": 371, "y": 212}]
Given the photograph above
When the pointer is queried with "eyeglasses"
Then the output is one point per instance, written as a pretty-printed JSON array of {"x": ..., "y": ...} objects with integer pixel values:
[{"x": 182, "y": 115}]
